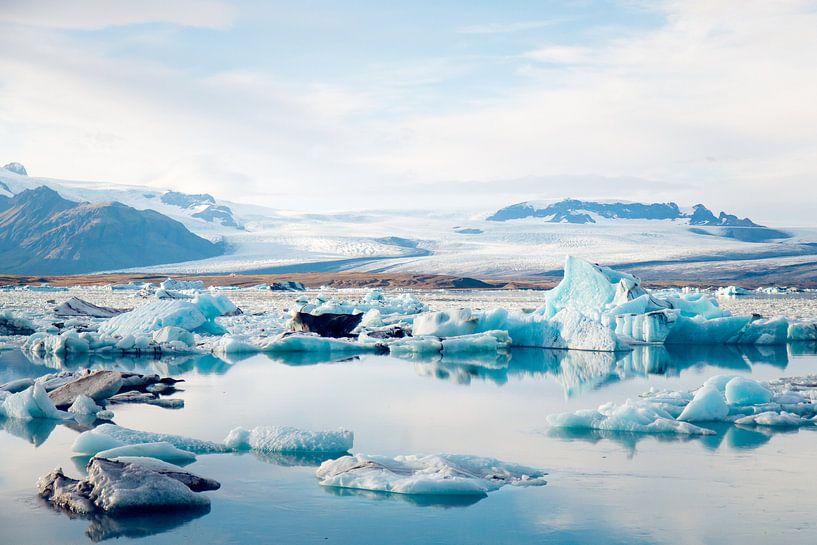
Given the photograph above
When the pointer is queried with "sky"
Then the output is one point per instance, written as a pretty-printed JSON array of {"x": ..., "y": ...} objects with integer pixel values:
[{"x": 473, "y": 104}]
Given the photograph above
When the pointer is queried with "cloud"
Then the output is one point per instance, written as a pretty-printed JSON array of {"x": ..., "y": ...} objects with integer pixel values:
[
  {"x": 505, "y": 28},
  {"x": 635, "y": 113},
  {"x": 98, "y": 14}
]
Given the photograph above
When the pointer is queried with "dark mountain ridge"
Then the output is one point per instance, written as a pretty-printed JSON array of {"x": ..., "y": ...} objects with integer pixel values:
[
  {"x": 43, "y": 233},
  {"x": 582, "y": 212}
]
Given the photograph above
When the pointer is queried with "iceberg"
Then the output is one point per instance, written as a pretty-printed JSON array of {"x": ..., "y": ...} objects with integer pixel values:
[
  {"x": 10, "y": 324},
  {"x": 566, "y": 329},
  {"x": 722, "y": 398},
  {"x": 286, "y": 439},
  {"x": 161, "y": 450},
  {"x": 774, "y": 419},
  {"x": 196, "y": 316},
  {"x": 108, "y": 436},
  {"x": 632, "y": 416},
  {"x": 31, "y": 403},
  {"x": 126, "y": 485},
  {"x": 441, "y": 474},
  {"x": 707, "y": 405}
]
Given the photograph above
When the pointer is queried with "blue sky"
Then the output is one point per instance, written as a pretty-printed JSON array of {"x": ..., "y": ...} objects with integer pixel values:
[{"x": 327, "y": 105}]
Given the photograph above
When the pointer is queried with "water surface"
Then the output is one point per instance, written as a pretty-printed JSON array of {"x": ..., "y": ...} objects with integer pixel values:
[{"x": 740, "y": 486}]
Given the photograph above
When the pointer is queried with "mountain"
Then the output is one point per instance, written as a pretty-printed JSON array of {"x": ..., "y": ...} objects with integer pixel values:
[
  {"x": 582, "y": 212},
  {"x": 678, "y": 244},
  {"x": 203, "y": 206},
  {"x": 43, "y": 233},
  {"x": 16, "y": 168}
]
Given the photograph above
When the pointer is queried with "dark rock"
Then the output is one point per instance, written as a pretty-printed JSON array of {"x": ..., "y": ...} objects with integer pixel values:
[
  {"x": 287, "y": 286},
  {"x": 77, "y": 307},
  {"x": 42, "y": 233},
  {"x": 98, "y": 386},
  {"x": 326, "y": 325},
  {"x": 389, "y": 332}
]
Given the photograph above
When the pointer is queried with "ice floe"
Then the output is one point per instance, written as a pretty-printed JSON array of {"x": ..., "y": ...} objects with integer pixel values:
[
  {"x": 441, "y": 474},
  {"x": 788, "y": 402},
  {"x": 289, "y": 440},
  {"x": 126, "y": 485}
]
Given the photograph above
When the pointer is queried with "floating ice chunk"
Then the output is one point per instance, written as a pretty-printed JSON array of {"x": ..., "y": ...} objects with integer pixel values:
[
  {"x": 774, "y": 419},
  {"x": 302, "y": 342},
  {"x": 172, "y": 334},
  {"x": 588, "y": 288},
  {"x": 197, "y": 315},
  {"x": 742, "y": 391},
  {"x": 415, "y": 345},
  {"x": 288, "y": 439},
  {"x": 802, "y": 331},
  {"x": 108, "y": 436},
  {"x": 632, "y": 416},
  {"x": 490, "y": 341},
  {"x": 68, "y": 342},
  {"x": 773, "y": 331},
  {"x": 700, "y": 330},
  {"x": 707, "y": 405},
  {"x": 126, "y": 485},
  {"x": 579, "y": 332},
  {"x": 731, "y": 291},
  {"x": 442, "y": 474},
  {"x": 84, "y": 405},
  {"x": 234, "y": 344},
  {"x": 10, "y": 324},
  {"x": 173, "y": 284},
  {"x": 161, "y": 450},
  {"x": 650, "y": 327},
  {"x": 31, "y": 403},
  {"x": 567, "y": 329}
]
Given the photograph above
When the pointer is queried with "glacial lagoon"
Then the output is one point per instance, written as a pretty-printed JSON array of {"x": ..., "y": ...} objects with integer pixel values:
[{"x": 742, "y": 485}]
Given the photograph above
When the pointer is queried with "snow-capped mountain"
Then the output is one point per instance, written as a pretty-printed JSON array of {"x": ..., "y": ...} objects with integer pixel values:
[
  {"x": 659, "y": 241},
  {"x": 43, "y": 233},
  {"x": 578, "y": 211}
]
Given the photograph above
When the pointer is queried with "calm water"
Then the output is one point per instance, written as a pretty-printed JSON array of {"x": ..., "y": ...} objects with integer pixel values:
[{"x": 737, "y": 487}]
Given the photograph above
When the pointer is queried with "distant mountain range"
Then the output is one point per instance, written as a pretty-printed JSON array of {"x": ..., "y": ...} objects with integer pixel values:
[
  {"x": 100, "y": 226},
  {"x": 578, "y": 211},
  {"x": 43, "y": 233}
]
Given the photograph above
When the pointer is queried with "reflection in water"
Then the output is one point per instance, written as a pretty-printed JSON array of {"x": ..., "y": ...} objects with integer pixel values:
[
  {"x": 729, "y": 435},
  {"x": 420, "y": 500},
  {"x": 135, "y": 525},
  {"x": 297, "y": 459},
  {"x": 580, "y": 371},
  {"x": 34, "y": 431}
]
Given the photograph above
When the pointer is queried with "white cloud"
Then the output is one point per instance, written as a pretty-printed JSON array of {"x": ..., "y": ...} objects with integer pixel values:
[
  {"x": 96, "y": 14},
  {"x": 733, "y": 82}
]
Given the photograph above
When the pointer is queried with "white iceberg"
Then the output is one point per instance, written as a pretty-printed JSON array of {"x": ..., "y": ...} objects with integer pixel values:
[
  {"x": 31, "y": 403},
  {"x": 441, "y": 474},
  {"x": 633, "y": 416},
  {"x": 161, "y": 450},
  {"x": 109, "y": 436},
  {"x": 723, "y": 398},
  {"x": 289, "y": 440}
]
